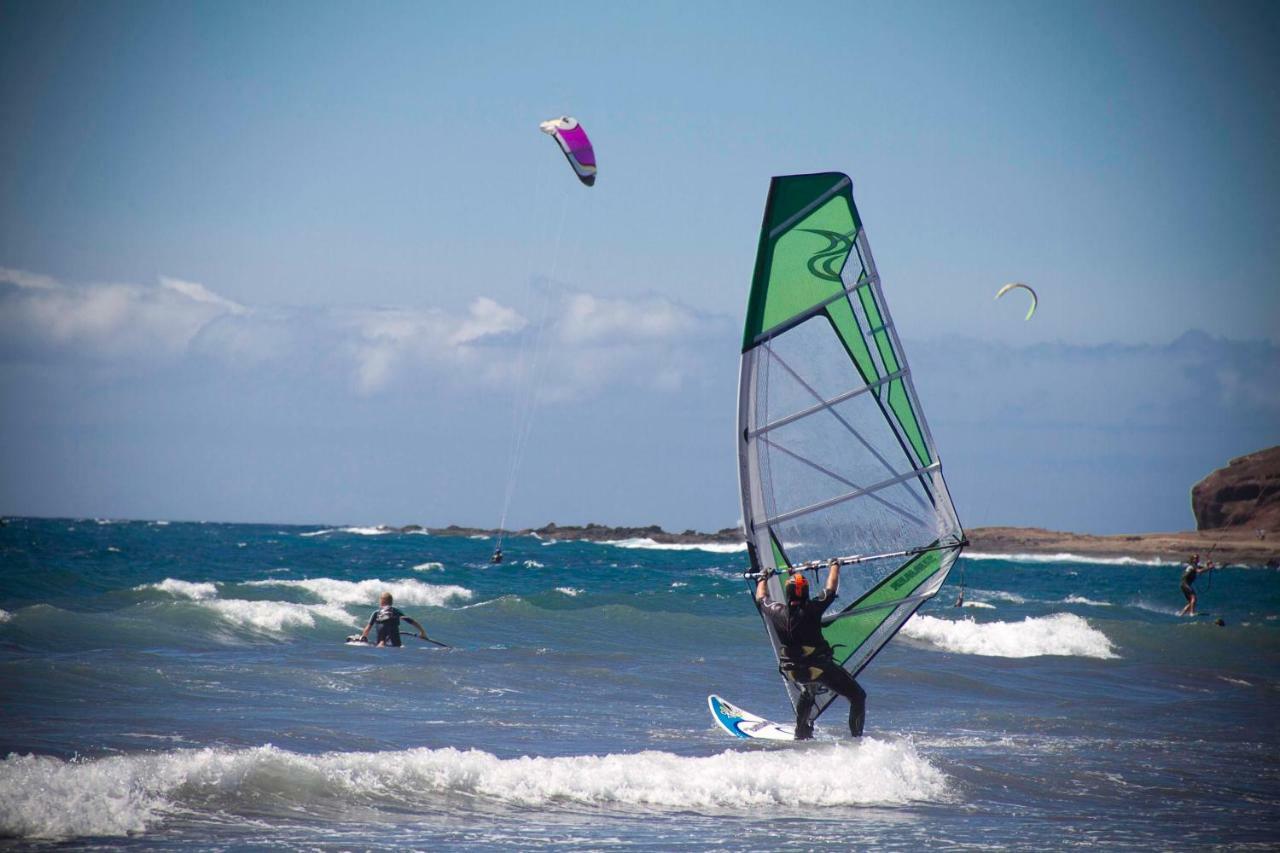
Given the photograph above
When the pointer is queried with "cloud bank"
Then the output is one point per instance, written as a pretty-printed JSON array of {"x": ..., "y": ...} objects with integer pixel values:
[{"x": 579, "y": 343}]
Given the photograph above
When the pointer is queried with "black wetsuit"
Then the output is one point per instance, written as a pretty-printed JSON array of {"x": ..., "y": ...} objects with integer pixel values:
[
  {"x": 806, "y": 659},
  {"x": 1189, "y": 581},
  {"x": 388, "y": 621}
]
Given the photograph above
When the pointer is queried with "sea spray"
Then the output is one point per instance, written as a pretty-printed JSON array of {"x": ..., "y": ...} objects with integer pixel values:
[
  {"x": 43, "y": 797},
  {"x": 1057, "y": 634}
]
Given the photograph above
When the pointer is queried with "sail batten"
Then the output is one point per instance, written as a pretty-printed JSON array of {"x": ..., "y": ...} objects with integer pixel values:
[{"x": 835, "y": 456}]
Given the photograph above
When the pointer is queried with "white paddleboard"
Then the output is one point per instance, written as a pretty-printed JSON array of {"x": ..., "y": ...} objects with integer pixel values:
[{"x": 745, "y": 724}]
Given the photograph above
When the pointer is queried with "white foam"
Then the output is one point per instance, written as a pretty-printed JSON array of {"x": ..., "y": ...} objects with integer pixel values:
[
  {"x": 479, "y": 536},
  {"x": 678, "y": 584},
  {"x": 368, "y": 531},
  {"x": 1155, "y": 608},
  {"x": 649, "y": 544},
  {"x": 981, "y": 605},
  {"x": 44, "y": 797},
  {"x": 533, "y": 564},
  {"x": 1080, "y": 599},
  {"x": 999, "y": 595},
  {"x": 320, "y": 532},
  {"x": 1057, "y": 634},
  {"x": 5, "y": 615},
  {"x": 428, "y": 567},
  {"x": 366, "y": 592},
  {"x": 570, "y": 591},
  {"x": 275, "y": 615},
  {"x": 1067, "y": 557},
  {"x": 196, "y": 591}
]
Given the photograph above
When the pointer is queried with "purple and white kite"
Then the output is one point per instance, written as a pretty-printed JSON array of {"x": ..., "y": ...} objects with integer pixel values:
[{"x": 576, "y": 146}]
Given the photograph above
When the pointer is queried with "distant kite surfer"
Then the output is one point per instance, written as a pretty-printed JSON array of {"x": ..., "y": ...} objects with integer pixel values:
[
  {"x": 806, "y": 656},
  {"x": 387, "y": 619},
  {"x": 1188, "y": 586},
  {"x": 497, "y": 555}
]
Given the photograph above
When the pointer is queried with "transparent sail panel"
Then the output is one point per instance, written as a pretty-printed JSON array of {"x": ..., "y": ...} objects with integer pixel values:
[{"x": 836, "y": 459}]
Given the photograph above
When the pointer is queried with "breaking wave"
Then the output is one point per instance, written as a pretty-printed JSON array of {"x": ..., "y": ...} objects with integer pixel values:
[
  {"x": 275, "y": 615},
  {"x": 196, "y": 591},
  {"x": 1080, "y": 599},
  {"x": 1058, "y": 634},
  {"x": 649, "y": 544},
  {"x": 45, "y": 797},
  {"x": 1067, "y": 557},
  {"x": 332, "y": 591}
]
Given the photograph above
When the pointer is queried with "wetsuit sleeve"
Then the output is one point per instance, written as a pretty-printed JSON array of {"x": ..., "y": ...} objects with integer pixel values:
[
  {"x": 372, "y": 618},
  {"x": 822, "y": 602}
]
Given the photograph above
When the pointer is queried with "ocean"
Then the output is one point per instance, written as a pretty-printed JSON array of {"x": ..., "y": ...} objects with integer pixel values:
[{"x": 186, "y": 685}]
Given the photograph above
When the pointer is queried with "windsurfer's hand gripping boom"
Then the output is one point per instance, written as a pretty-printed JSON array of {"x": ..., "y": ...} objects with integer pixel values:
[{"x": 853, "y": 559}]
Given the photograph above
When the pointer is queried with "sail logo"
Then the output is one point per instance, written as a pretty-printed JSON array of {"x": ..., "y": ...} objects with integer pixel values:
[{"x": 827, "y": 263}]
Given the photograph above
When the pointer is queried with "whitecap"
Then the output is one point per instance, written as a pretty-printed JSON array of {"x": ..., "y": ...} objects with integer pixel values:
[
  {"x": 999, "y": 595},
  {"x": 1057, "y": 634},
  {"x": 533, "y": 564},
  {"x": 1080, "y": 599},
  {"x": 649, "y": 544},
  {"x": 570, "y": 591},
  {"x": 275, "y": 615},
  {"x": 339, "y": 592},
  {"x": 1067, "y": 557},
  {"x": 47, "y": 797},
  {"x": 195, "y": 590},
  {"x": 428, "y": 567}
]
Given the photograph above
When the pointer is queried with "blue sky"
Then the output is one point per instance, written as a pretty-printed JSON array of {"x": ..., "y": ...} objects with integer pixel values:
[{"x": 277, "y": 261}]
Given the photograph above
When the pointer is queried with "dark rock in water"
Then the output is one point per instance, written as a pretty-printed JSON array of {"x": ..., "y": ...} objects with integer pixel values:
[{"x": 1245, "y": 494}]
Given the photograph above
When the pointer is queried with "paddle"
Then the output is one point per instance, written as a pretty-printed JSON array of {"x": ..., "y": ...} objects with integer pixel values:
[
  {"x": 355, "y": 638},
  {"x": 429, "y": 640}
]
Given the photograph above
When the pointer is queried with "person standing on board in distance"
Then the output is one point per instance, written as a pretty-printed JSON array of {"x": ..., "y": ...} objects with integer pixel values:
[
  {"x": 387, "y": 618},
  {"x": 1188, "y": 586},
  {"x": 806, "y": 657}
]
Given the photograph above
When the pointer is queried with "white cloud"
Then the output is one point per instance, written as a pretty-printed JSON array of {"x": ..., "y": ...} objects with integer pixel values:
[
  {"x": 590, "y": 319},
  {"x": 487, "y": 318},
  {"x": 30, "y": 280},
  {"x": 200, "y": 293},
  {"x": 105, "y": 321},
  {"x": 585, "y": 343}
]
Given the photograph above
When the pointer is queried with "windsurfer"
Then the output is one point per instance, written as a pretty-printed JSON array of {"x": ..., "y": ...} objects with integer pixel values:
[
  {"x": 806, "y": 657},
  {"x": 1188, "y": 585},
  {"x": 387, "y": 618}
]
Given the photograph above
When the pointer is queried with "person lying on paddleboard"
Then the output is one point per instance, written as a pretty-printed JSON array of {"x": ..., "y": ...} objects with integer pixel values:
[
  {"x": 1188, "y": 585},
  {"x": 805, "y": 656},
  {"x": 387, "y": 618}
]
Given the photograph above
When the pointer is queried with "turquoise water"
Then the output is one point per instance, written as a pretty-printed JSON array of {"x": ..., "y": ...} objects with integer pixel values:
[{"x": 170, "y": 685}]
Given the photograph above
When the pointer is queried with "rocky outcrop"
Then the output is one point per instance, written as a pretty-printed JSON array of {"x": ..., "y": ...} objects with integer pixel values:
[
  {"x": 1244, "y": 495},
  {"x": 599, "y": 533}
]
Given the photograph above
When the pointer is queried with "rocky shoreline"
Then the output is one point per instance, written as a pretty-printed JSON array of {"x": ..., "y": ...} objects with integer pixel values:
[{"x": 1223, "y": 546}]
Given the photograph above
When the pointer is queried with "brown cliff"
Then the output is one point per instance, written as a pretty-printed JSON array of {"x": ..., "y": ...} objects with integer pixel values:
[{"x": 1245, "y": 495}]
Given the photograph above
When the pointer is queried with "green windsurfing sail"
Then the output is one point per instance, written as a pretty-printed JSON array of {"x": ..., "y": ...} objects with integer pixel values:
[{"x": 835, "y": 457}]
